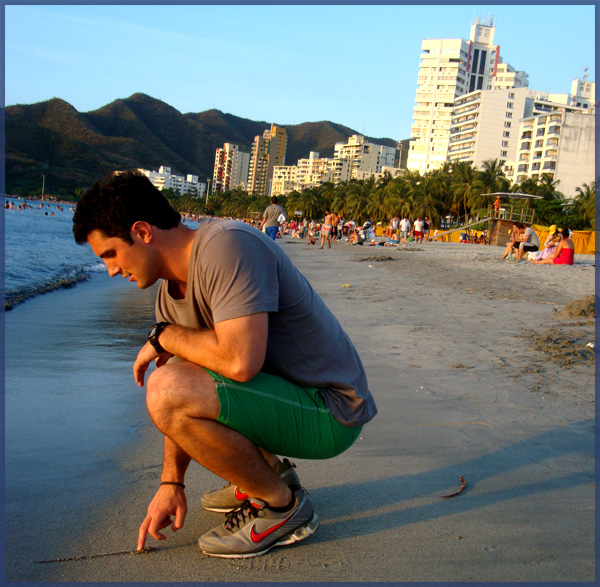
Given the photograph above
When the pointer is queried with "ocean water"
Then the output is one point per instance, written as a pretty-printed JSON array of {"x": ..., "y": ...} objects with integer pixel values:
[{"x": 40, "y": 253}]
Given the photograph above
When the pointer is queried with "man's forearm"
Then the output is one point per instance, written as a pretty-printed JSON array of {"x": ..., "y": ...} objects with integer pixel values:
[
  {"x": 175, "y": 462},
  {"x": 235, "y": 348}
]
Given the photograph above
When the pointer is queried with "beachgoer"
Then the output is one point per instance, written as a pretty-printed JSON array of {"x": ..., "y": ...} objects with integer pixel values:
[
  {"x": 326, "y": 228},
  {"x": 497, "y": 206},
  {"x": 404, "y": 228},
  {"x": 550, "y": 245},
  {"x": 418, "y": 230},
  {"x": 564, "y": 253},
  {"x": 335, "y": 222},
  {"x": 426, "y": 228},
  {"x": 526, "y": 240},
  {"x": 271, "y": 218},
  {"x": 234, "y": 316}
]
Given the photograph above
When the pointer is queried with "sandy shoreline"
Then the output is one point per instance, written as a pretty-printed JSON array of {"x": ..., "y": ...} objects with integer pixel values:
[{"x": 467, "y": 360}]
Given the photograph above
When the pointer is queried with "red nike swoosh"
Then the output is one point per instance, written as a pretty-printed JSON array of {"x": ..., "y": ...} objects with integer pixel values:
[
  {"x": 239, "y": 495},
  {"x": 258, "y": 536}
]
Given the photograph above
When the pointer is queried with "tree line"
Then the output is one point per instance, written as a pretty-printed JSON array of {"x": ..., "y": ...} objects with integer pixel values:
[{"x": 456, "y": 191}]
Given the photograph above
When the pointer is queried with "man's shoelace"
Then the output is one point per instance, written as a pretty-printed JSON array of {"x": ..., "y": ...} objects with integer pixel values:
[{"x": 238, "y": 517}]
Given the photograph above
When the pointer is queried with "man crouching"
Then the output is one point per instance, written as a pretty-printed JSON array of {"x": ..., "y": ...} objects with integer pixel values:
[{"x": 251, "y": 364}]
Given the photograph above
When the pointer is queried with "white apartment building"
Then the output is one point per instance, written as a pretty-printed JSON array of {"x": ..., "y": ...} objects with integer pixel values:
[
  {"x": 450, "y": 68},
  {"x": 163, "y": 179},
  {"x": 364, "y": 156},
  {"x": 231, "y": 168},
  {"x": 309, "y": 173},
  {"x": 284, "y": 179},
  {"x": 485, "y": 125},
  {"x": 559, "y": 141}
]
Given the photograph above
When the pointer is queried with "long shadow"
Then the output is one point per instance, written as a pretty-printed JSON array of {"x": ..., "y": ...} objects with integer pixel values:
[{"x": 334, "y": 502}]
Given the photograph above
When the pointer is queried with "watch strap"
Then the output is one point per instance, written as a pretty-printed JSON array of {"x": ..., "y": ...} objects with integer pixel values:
[{"x": 154, "y": 333}]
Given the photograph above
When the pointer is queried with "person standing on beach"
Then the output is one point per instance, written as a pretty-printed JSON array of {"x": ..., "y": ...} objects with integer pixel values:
[
  {"x": 404, "y": 229},
  {"x": 326, "y": 228},
  {"x": 234, "y": 316},
  {"x": 271, "y": 218}
]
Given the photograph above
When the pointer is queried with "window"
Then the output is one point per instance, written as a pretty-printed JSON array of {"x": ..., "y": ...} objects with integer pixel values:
[
  {"x": 507, "y": 124},
  {"x": 506, "y": 133},
  {"x": 509, "y": 105},
  {"x": 503, "y": 153},
  {"x": 511, "y": 95},
  {"x": 505, "y": 143},
  {"x": 509, "y": 115}
]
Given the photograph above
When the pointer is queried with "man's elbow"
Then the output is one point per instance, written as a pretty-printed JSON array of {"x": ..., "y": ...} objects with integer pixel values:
[{"x": 244, "y": 371}]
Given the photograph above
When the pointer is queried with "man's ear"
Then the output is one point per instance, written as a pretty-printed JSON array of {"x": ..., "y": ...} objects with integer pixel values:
[{"x": 142, "y": 230}]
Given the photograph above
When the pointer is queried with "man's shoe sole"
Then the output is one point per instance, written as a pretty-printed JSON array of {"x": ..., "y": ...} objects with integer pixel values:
[{"x": 295, "y": 536}]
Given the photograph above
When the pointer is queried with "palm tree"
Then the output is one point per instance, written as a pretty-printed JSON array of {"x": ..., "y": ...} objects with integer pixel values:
[
  {"x": 357, "y": 200},
  {"x": 585, "y": 202},
  {"x": 547, "y": 188},
  {"x": 465, "y": 186}
]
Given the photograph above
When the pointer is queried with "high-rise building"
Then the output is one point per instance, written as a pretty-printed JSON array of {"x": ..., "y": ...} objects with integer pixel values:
[
  {"x": 268, "y": 151},
  {"x": 364, "y": 156},
  {"x": 449, "y": 69},
  {"x": 558, "y": 140},
  {"x": 485, "y": 125},
  {"x": 231, "y": 168}
]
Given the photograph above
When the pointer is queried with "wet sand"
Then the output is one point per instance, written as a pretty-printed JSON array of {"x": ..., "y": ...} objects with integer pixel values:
[{"x": 479, "y": 368}]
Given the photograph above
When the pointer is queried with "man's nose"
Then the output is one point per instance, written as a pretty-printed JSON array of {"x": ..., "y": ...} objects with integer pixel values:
[{"x": 112, "y": 269}]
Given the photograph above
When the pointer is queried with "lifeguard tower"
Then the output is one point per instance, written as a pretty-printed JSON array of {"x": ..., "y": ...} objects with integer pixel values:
[{"x": 501, "y": 222}]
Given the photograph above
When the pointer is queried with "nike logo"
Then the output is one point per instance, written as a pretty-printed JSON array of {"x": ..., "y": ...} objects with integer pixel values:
[
  {"x": 259, "y": 536},
  {"x": 240, "y": 495}
]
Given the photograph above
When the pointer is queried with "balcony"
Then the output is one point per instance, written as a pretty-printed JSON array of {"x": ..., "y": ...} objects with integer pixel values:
[
  {"x": 551, "y": 165},
  {"x": 522, "y": 169},
  {"x": 525, "y": 146},
  {"x": 526, "y": 135}
]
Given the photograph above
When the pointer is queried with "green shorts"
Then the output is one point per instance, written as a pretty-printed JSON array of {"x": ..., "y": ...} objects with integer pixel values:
[{"x": 281, "y": 417}]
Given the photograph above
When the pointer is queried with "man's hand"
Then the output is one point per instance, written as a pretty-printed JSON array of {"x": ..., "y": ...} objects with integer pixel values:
[
  {"x": 169, "y": 501},
  {"x": 146, "y": 355}
]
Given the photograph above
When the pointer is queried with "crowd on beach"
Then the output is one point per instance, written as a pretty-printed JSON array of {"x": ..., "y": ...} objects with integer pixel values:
[
  {"x": 524, "y": 243},
  {"x": 558, "y": 249}
]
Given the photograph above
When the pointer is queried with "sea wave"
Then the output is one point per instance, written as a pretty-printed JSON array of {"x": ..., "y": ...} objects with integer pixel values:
[{"x": 15, "y": 297}]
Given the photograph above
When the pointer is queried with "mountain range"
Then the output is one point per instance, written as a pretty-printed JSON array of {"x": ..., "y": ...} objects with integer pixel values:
[{"x": 72, "y": 149}]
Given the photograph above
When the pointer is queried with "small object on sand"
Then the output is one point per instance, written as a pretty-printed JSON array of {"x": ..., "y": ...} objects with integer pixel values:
[
  {"x": 591, "y": 344},
  {"x": 346, "y": 285},
  {"x": 463, "y": 484}
]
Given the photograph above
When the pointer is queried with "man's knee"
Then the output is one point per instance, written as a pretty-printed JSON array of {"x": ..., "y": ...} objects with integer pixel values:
[{"x": 180, "y": 389}]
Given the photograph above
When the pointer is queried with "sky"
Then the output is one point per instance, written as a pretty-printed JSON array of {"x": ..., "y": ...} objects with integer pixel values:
[{"x": 355, "y": 65}]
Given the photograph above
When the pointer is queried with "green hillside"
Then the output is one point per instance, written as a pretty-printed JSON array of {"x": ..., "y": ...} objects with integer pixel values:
[{"x": 73, "y": 149}]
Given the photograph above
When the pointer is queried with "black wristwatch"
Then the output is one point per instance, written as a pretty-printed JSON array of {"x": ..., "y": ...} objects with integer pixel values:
[{"x": 154, "y": 333}]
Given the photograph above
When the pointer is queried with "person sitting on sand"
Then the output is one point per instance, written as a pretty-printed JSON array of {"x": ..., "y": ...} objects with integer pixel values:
[
  {"x": 552, "y": 241},
  {"x": 234, "y": 316},
  {"x": 564, "y": 253},
  {"x": 525, "y": 240}
]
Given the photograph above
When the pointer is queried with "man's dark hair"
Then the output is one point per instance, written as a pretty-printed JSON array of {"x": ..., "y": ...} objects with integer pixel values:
[
  {"x": 114, "y": 204},
  {"x": 274, "y": 200}
]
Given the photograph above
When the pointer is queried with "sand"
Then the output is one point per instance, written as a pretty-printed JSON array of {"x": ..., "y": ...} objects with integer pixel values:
[{"x": 479, "y": 368}]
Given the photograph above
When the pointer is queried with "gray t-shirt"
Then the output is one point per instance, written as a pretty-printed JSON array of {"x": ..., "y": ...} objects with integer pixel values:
[
  {"x": 531, "y": 237},
  {"x": 234, "y": 271},
  {"x": 272, "y": 214}
]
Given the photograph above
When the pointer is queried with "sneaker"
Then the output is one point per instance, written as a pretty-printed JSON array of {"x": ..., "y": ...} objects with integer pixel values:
[
  {"x": 231, "y": 497},
  {"x": 254, "y": 528}
]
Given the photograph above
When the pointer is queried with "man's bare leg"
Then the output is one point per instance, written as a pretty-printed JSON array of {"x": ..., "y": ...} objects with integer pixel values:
[{"x": 183, "y": 404}]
